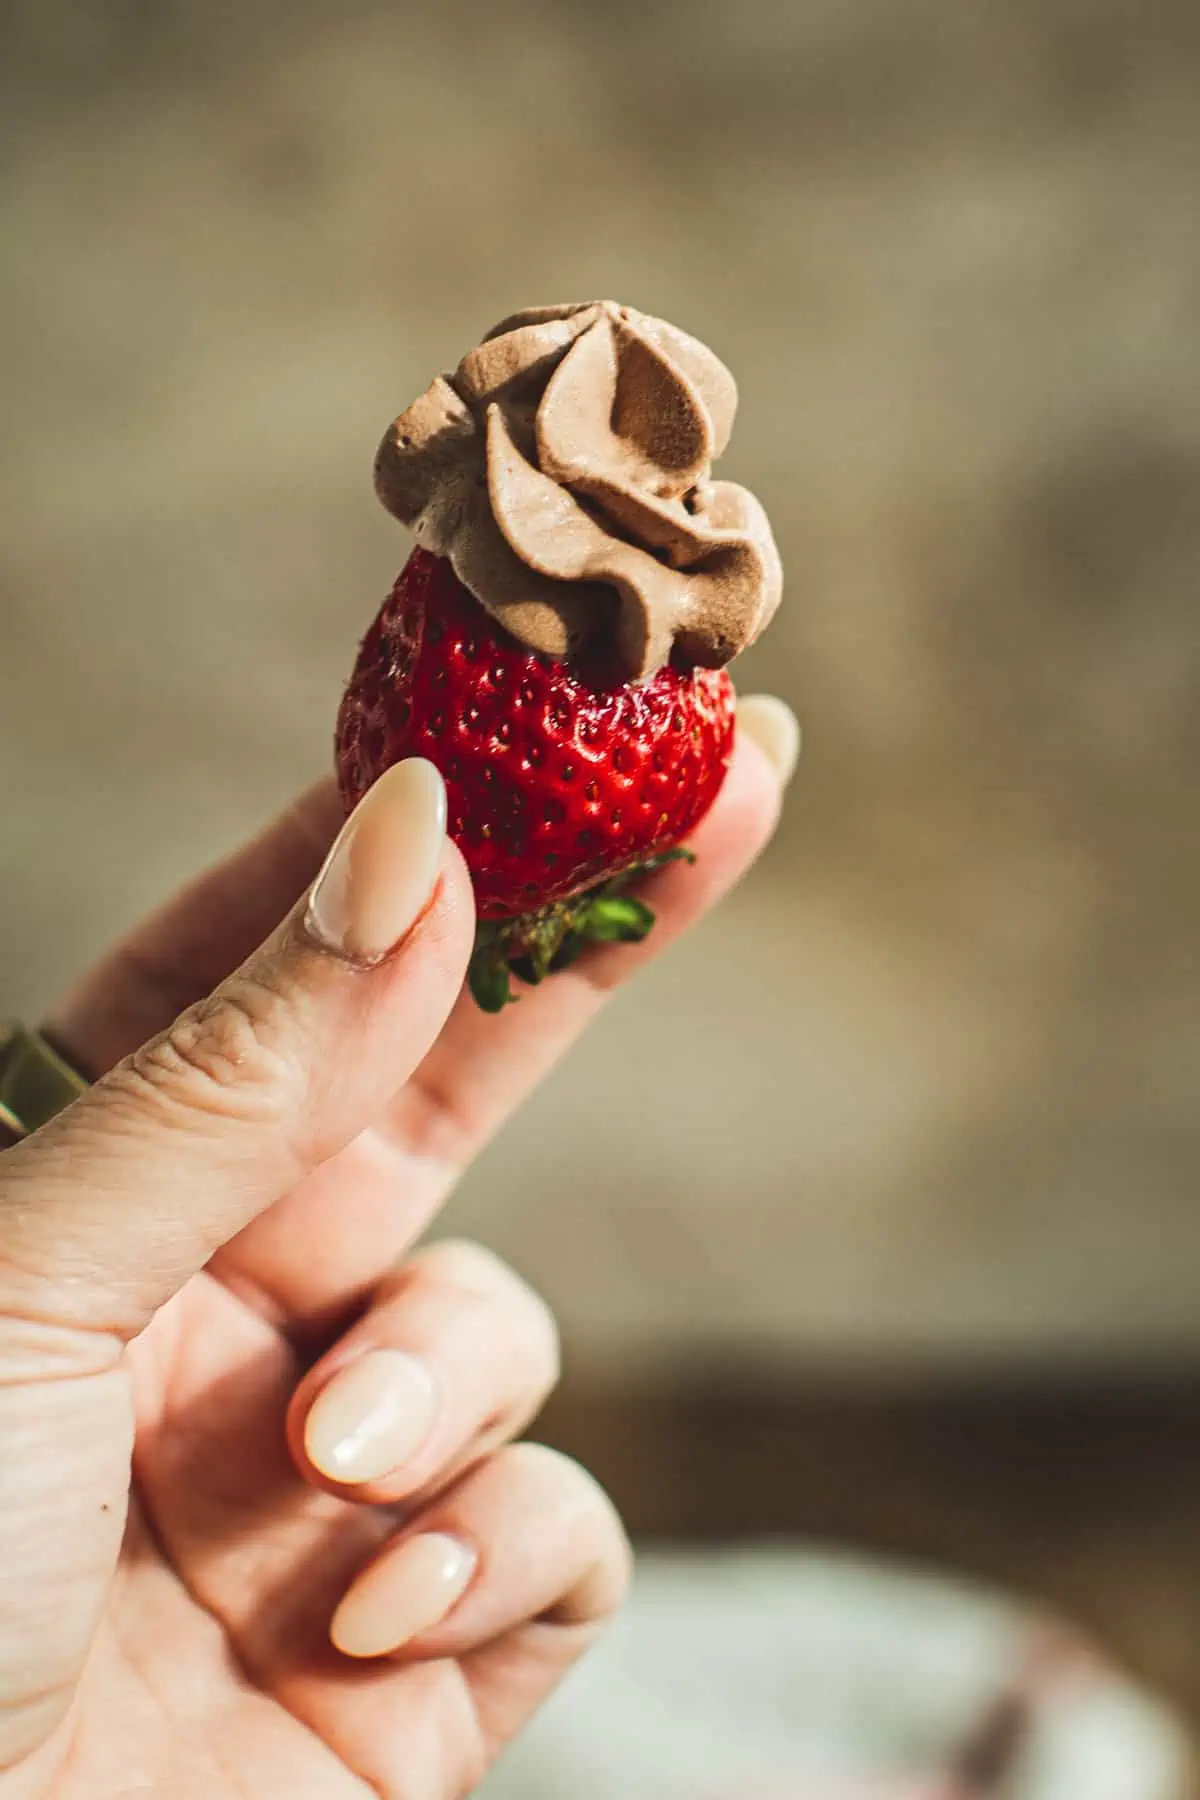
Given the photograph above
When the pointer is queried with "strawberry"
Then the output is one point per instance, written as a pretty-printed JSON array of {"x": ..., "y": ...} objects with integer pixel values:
[
  {"x": 556, "y": 644},
  {"x": 564, "y": 780}
]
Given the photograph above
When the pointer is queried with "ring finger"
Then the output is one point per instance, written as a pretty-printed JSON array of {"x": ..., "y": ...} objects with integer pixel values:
[
  {"x": 538, "y": 1542},
  {"x": 453, "y": 1631}
]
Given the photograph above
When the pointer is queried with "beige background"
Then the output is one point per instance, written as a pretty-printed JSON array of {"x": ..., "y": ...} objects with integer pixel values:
[{"x": 927, "y": 1088}]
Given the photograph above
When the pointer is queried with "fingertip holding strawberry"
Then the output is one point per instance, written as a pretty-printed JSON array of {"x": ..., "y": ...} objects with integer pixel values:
[
  {"x": 556, "y": 645},
  {"x": 774, "y": 727}
]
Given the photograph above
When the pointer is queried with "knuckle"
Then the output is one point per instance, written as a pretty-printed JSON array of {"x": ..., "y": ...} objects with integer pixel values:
[
  {"x": 616, "y": 1565},
  {"x": 545, "y": 1339},
  {"x": 468, "y": 1267},
  {"x": 226, "y": 1056},
  {"x": 480, "y": 1276},
  {"x": 560, "y": 1481},
  {"x": 564, "y": 1487}
]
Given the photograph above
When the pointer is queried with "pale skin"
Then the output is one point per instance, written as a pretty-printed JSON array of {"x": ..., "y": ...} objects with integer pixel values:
[{"x": 195, "y": 1251}]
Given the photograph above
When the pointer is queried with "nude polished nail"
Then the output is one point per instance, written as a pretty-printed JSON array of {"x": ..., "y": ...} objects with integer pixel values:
[
  {"x": 373, "y": 1415},
  {"x": 379, "y": 875},
  {"x": 407, "y": 1590}
]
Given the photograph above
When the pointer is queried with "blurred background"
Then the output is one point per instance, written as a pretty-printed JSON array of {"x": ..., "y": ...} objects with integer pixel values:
[{"x": 873, "y": 1212}]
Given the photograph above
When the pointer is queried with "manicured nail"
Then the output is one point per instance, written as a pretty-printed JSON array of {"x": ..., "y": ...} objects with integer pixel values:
[
  {"x": 774, "y": 727},
  {"x": 373, "y": 1415},
  {"x": 410, "y": 1588},
  {"x": 379, "y": 875}
]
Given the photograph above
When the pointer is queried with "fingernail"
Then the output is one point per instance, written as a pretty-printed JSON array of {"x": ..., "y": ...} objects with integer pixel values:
[
  {"x": 373, "y": 1415},
  {"x": 774, "y": 727},
  {"x": 409, "y": 1589},
  {"x": 380, "y": 873}
]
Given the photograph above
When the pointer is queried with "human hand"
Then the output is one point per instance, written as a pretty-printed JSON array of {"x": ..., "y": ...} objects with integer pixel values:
[{"x": 234, "y": 1405}]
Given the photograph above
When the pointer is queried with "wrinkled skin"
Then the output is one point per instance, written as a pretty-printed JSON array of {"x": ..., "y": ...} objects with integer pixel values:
[{"x": 186, "y": 1253}]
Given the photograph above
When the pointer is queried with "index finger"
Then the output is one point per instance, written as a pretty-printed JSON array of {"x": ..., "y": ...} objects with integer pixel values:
[
  {"x": 482, "y": 1066},
  {"x": 326, "y": 1245}
]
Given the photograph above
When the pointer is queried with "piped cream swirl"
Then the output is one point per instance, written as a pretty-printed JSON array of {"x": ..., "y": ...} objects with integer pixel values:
[{"x": 564, "y": 468}]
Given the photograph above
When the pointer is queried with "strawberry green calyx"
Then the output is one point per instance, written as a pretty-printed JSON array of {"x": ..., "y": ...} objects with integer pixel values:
[{"x": 540, "y": 943}]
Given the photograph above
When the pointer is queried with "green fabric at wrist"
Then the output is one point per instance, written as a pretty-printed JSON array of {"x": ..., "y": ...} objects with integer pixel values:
[{"x": 35, "y": 1082}]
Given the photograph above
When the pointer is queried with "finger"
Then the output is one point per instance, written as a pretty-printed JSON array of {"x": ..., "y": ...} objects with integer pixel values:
[
  {"x": 198, "y": 938},
  {"x": 528, "y": 1539},
  {"x": 270, "y": 1558},
  {"x": 771, "y": 724},
  {"x": 184, "y": 949},
  {"x": 327, "y": 1245},
  {"x": 455, "y": 1358},
  {"x": 482, "y": 1067},
  {"x": 110, "y": 1208}
]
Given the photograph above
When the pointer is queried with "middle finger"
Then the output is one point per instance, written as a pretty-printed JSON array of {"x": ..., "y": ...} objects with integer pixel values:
[{"x": 455, "y": 1357}]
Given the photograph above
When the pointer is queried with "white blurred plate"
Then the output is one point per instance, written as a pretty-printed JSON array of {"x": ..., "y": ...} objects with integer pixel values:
[{"x": 790, "y": 1675}]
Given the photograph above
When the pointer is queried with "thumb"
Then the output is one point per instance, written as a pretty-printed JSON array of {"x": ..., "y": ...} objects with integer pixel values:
[{"x": 109, "y": 1209}]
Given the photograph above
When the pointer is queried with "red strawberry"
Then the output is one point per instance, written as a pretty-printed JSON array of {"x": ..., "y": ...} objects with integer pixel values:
[{"x": 562, "y": 783}]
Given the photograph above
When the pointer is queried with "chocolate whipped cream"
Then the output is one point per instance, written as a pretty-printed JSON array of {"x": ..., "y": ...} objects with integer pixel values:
[{"x": 565, "y": 470}]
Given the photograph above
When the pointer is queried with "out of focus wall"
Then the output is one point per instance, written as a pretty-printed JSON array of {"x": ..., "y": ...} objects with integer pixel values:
[{"x": 927, "y": 1087}]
